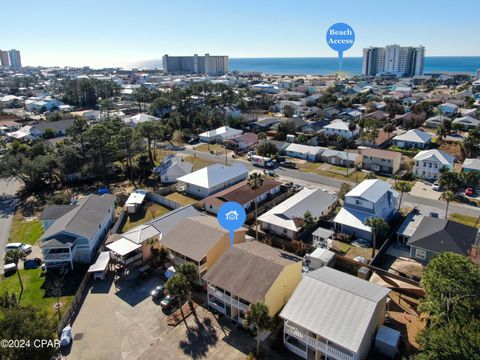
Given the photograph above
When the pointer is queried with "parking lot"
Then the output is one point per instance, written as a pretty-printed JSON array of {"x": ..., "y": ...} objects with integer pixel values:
[
  {"x": 119, "y": 320},
  {"x": 425, "y": 190}
]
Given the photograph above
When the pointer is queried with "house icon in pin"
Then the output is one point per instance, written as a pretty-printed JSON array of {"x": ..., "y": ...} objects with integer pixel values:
[{"x": 231, "y": 215}]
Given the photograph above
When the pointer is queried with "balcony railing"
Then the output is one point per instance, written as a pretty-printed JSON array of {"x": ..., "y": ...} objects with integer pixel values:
[
  {"x": 216, "y": 307},
  {"x": 315, "y": 343},
  {"x": 296, "y": 350},
  {"x": 56, "y": 257},
  {"x": 227, "y": 299}
]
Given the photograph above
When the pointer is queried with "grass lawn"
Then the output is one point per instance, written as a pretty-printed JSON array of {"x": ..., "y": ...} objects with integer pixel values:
[
  {"x": 146, "y": 213},
  {"x": 212, "y": 147},
  {"x": 198, "y": 163},
  {"x": 36, "y": 288},
  {"x": 27, "y": 232},
  {"x": 464, "y": 219},
  {"x": 315, "y": 168},
  {"x": 181, "y": 199},
  {"x": 351, "y": 251}
]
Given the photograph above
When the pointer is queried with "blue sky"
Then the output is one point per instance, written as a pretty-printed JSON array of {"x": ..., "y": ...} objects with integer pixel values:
[{"x": 116, "y": 33}]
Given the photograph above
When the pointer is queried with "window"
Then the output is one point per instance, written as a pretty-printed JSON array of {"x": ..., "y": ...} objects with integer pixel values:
[{"x": 420, "y": 253}]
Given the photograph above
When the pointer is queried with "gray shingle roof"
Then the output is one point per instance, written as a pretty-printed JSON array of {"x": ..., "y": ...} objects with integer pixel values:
[
  {"x": 60, "y": 125},
  {"x": 53, "y": 212},
  {"x": 440, "y": 235},
  {"x": 334, "y": 305},
  {"x": 84, "y": 219}
]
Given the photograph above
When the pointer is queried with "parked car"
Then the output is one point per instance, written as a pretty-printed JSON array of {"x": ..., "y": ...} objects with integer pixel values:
[
  {"x": 8, "y": 268},
  {"x": 288, "y": 165},
  {"x": 157, "y": 292},
  {"x": 469, "y": 191},
  {"x": 19, "y": 246},
  {"x": 168, "y": 302},
  {"x": 32, "y": 263},
  {"x": 436, "y": 186},
  {"x": 66, "y": 337},
  {"x": 297, "y": 187}
]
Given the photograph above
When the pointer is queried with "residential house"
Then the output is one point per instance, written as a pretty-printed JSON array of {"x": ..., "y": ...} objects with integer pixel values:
[
  {"x": 435, "y": 236},
  {"x": 230, "y": 111},
  {"x": 340, "y": 128},
  {"x": 134, "y": 120},
  {"x": 171, "y": 168},
  {"x": 370, "y": 198},
  {"x": 414, "y": 138},
  {"x": 286, "y": 219},
  {"x": 429, "y": 164},
  {"x": 435, "y": 121},
  {"x": 381, "y": 161},
  {"x": 51, "y": 213},
  {"x": 247, "y": 141},
  {"x": 470, "y": 165},
  {"x": 252, "y": 272},
  {"x": 466, "y": 122},
  {"x": 330, "y": 112},
  {"x": 341, "y": 158},
  {"x": 468, "y": 112},
  {"x": 219, "y": 135},
  {"x": 213, "y": 178},
  {"x": 59, "y": 127},
  {"x": 333, "y": 315},
  {"x": 242, "y": 194},
  {"x": 314, "y": 126},
  {"x": 76, "y": 235},
  {"x": 448, "y": 108},
  {"x": 24, "y": 133},
  {"x": 9, "y": 125},
  {"x": 377, "y": 115},
  {"x": 201, "y": 241},
  {"x": 306, "y": 152}
]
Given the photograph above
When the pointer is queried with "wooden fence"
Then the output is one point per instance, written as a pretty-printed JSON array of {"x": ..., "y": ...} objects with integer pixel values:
[{"x": 76, "y": 303}]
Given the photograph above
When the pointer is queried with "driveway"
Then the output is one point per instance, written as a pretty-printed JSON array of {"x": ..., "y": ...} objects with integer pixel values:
[
  {"x": 425, "y": 190},
  {"x": 8, "y": 189},
  {"x": 120, "y": 321}
]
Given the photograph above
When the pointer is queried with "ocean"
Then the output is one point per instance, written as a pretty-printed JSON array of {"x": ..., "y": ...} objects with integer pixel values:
[{"x": 329, "y": 65}]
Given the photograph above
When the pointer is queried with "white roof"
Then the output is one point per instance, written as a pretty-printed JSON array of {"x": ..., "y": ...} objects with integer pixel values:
[
  {"x": 334, "y": 305},
  {"x": 139, "y": 118},
  {"x": 337, "y": 125},
  {"x": 323, "y": 255},
  {"x": 370, "y": 189},
  {"x": 434, "y": 154},
  {"x": 467, "y": 120},
  {"x": 471, "y": 164},
  {"x": 314, "y": 200},
  {"x": 141, "y": 233},
  {"x": 213, "y": 175},
  {"x": 101, "y": 263},
  {"x": 353, "y": 218},
  {"x": 410, "y": 224},
  {"x": 414, "y": 135},
  {"x": 123, "y": 246},
  {"x": 136, "y": 197},
  {"x": 224, "y": 131},
  {"x": 305, "y": 149}
]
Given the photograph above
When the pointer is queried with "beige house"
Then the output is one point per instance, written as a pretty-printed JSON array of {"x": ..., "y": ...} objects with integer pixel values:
[
  {"x": 252, "y": 272},
  {"x": 381, "y": 161},
  {"x": 201, "y": 241}
]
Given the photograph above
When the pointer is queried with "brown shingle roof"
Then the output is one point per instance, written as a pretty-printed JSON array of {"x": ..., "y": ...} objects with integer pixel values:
[
  {"x": 248, "y": 270},
  {"x": 379, "y": 153}
]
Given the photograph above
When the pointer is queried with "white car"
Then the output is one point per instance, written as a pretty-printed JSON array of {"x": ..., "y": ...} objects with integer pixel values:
[
  {"x": 19, "y": 246},
  {"x": 9, "y": 268},
  {"x": 436, "y": 186}
]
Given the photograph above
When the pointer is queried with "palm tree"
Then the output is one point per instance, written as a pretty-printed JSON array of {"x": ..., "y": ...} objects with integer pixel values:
[
  {"x": 257, "y": 317},
  {"x": 14, "y": 256},
  {"x": 441, "y": 131},
  {"x": 468, "y": 146},
  {"x": 376, "y": 224},
  {"x": 190, "y": 271},
  {"x": 448, "y": 196},
  {"x": 255, "y": 181},
  {"x": 402, "y": 186},
  {"x": 389, "y": 128},
  {"x": 449, "y": 180},
  {"x": 262, "y": 136},
  {"x": 179, "y": 286}
]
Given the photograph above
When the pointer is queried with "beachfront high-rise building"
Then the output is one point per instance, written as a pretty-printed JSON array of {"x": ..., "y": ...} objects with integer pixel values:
[
  {"x": 15, "y": 59},
  {"x": 477, "y": 76},
  {"x": 4, "y": 58},
  {"x": 208, "y": 64},
  {"x": 393, "y": 59}
]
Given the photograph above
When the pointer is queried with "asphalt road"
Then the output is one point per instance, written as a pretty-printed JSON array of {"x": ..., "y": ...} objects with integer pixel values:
[
  {"x": 333, "y": 183},
  {"x": 8, "y": 189}
]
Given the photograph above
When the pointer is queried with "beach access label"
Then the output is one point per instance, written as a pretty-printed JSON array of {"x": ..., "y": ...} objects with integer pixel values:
[
  {"x": 231, "y": 216},
  {"x": 340, "y": 37}
]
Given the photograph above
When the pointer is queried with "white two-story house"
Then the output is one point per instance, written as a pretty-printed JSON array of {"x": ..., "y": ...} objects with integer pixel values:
[
  {"x": 340, "y": 128},
  {"x": 371, "y": 198},
  {"x": 75, "y": 235},
  {"x": 429, "y": 164}
]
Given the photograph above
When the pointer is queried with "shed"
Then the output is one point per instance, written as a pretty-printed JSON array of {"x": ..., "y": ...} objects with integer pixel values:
[
  {"x": 319, "y": 258},
  {"x": 99, "y": 269},
  {"x": 135, "y": 200},
  {"x": 386, "y": 341}
]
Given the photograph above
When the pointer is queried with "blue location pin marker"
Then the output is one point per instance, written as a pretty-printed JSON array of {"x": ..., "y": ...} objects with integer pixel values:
[
  {"x": 231, "y": 216},
  {"x": 340, "y": 37}
]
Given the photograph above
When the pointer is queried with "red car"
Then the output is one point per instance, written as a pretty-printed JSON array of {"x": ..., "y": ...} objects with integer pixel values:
[{"x": 469, "y": 192}]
